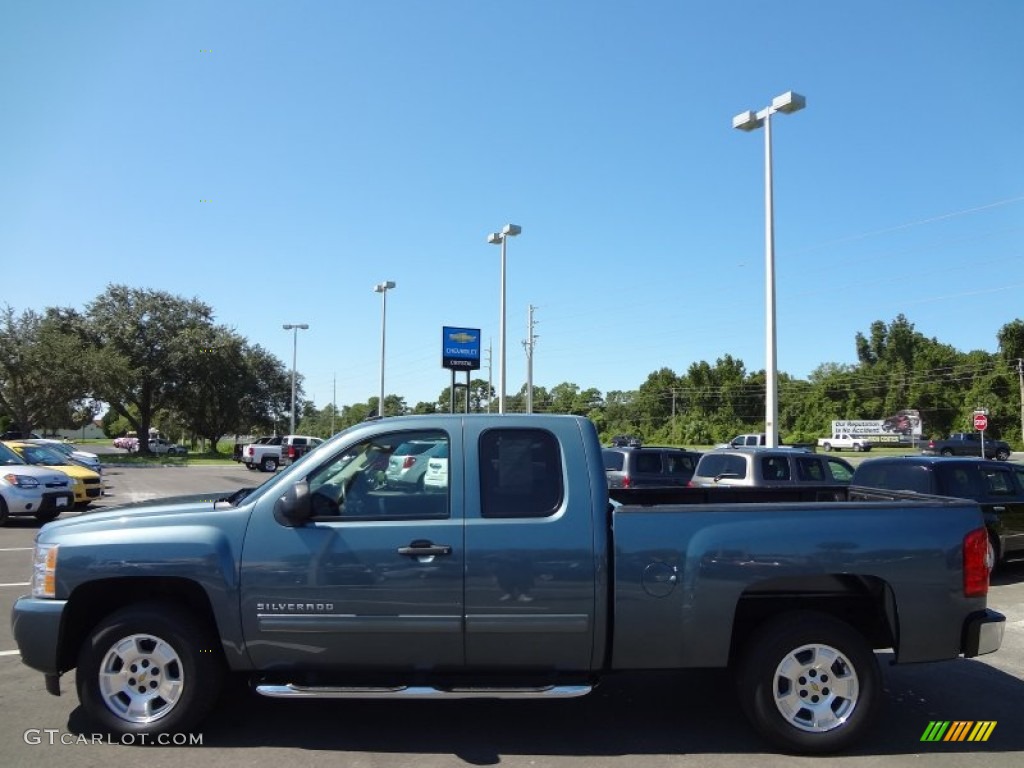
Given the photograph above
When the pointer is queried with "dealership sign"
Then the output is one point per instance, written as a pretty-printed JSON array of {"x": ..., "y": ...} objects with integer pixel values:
[{"x": 460, "y": 348}]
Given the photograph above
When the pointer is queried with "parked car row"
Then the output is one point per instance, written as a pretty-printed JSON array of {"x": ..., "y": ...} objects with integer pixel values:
[{"x": 38, "y": 480}]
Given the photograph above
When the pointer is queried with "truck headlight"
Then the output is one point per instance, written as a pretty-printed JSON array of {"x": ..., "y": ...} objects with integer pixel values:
[
  {"x": 44, "y": 571},
  {"x": 21, "y": 481}
]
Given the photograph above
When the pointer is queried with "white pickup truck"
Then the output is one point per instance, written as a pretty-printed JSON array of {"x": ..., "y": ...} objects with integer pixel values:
[
  {"x": 841, "y": 441},
  {"x": 269, "y": 453}
]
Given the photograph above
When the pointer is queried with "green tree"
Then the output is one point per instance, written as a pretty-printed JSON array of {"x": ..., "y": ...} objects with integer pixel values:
[
  {"x": 143, "y": 333},
  {"x": 44, "y": 371}
]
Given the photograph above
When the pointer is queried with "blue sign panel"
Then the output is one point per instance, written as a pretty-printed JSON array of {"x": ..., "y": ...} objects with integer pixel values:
[{"x": 460, "y": 348}]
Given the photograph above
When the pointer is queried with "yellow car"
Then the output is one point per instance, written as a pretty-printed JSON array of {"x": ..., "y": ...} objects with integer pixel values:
[{"x": 87, "y": 484}]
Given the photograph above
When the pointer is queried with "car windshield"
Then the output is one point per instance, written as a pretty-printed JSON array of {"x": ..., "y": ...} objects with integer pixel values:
[
  {"x": 9, "y": 458},
  {"x": 37, "y": 454}
]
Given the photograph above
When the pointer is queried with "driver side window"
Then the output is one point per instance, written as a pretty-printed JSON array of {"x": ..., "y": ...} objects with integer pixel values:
[{"x": 398, "y": 476}]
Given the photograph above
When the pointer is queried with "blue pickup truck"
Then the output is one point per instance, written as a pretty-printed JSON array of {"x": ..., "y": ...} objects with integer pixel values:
[{"x": 517, "y": 579}]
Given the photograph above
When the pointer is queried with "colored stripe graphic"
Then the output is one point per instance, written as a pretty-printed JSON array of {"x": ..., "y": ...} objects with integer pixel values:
[
  {"x": 958, "y": 730},
  {"x": 982, "y": 730},
  {"x": 935, "y": 731}
]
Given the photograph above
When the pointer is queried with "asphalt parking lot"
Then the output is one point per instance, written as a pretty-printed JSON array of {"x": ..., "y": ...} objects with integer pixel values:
[{"x": 662, "y": 721}]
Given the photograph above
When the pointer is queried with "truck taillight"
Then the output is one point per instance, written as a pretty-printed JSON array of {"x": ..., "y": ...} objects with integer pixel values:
[
  {"x": 931, "y": 444},
  {"x": 978, "y": 562},
  {"x": 409, "y": 461},
  {"x": 626, "y": 482},
  {"x": 291, "y": 451},
  {"x": 251, "y": 450}
]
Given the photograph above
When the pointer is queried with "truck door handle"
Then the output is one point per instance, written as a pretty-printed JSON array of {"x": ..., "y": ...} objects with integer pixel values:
[{"x": 424, "y": 548}]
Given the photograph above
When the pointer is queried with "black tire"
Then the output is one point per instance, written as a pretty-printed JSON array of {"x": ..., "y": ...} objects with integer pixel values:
[
  {"x": 827, "y": 447},
  {"x": 834, "y": 671},
  {"x": 3, "y": 512},
  {"x": 1002, "y": 454},
  {"x": 946, "y": 451},
  {"x": 169, "y": 643},
  {"x": 52, "y": 514},
  {"x": 269, "y": 464}
]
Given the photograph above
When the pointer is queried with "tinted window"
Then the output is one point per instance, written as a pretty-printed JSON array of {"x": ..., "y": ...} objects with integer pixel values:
[
  {"x": 998, "y": 482},
  {"x": 716, "y": 464},
  {"x": 895, "y": 477},
  {"x": 649, "y": 463},
  {"x": 840, "y": 470},
  {"x": 809, "y": 468},
  {"x": 679, "y": 464},
  {"x": 520, "y": 473},
  {"x": 775, "y": 468},
  {"x": 962, "y": 481},
  {"x": 612, "y": 460}
]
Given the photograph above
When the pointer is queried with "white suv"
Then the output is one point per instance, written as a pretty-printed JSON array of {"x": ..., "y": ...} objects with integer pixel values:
[{"x": 38, "y": 491}]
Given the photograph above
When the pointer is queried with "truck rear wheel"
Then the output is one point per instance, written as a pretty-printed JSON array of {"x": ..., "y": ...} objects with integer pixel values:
[
  {"x": 946, "y": 451},
  {"x": 1002, "y": 454},
  {"x": 269, "y": 464},
  {"x": 149, "y": 668},
  {"x": 827, "y": 447},
  {"x": 809, "y": 683}
]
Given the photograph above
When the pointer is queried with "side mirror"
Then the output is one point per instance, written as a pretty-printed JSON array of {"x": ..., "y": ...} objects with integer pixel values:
[{"x": 294, "y": 508}]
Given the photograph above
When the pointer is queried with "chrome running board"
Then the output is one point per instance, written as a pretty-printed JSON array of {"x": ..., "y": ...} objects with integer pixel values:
[{"x": 292, "y": 691}]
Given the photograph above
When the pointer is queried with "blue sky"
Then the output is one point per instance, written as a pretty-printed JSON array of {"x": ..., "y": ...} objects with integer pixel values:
[{"x": 339, "y": 144}]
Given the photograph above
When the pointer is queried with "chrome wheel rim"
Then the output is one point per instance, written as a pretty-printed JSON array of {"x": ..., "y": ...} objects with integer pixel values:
[
  {"x": 141, "y": 678},
  {"x": 815, "y": 688}
]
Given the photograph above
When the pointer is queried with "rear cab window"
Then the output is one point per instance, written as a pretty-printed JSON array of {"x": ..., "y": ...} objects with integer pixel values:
[{"x": 520, "y": 473}]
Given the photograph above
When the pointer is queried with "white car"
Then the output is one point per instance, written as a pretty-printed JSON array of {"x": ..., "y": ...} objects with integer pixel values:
[
  {"x": 408, "y": 464},
  {"x": 37, "y": 491},
  {"x": 86, "y": 459},
  {"x": 436, "y": 477},
  {"x": 160, "y": 447}
]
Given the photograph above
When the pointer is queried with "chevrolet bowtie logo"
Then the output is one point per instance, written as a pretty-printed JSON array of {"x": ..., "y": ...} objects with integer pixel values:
[{"x": 462, "y": 337}]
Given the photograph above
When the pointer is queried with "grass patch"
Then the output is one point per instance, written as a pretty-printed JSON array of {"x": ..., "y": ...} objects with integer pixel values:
[{"x": 198, "y": 459}]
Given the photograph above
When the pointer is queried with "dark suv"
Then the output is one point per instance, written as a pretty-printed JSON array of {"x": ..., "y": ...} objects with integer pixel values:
[
  {"x": 997, "y": 486},
  {"x": 648, "y": 467}
]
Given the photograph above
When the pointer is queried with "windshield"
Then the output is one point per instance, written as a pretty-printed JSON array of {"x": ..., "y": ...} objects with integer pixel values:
[
  {"x": 37, "y": 454},
  {"x": 8, "y": 457}
]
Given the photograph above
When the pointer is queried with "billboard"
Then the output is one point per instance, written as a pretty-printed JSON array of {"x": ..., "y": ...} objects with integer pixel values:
[
  {"x": 460, "y": 348},
  {"x": 902, "y": 426}
]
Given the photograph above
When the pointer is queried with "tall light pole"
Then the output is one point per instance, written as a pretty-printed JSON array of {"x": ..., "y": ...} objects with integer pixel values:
[
  {"x": 749, "y": 121},
  {"x": 294, "y": 328},
  {"x": 499, "y": 238},
  {"x": 382, "y": 289}
]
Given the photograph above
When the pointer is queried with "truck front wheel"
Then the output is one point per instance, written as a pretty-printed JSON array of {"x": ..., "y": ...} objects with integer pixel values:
[
  {"x": 149, "y": 668},
  {"x": 809, "y": 683}
]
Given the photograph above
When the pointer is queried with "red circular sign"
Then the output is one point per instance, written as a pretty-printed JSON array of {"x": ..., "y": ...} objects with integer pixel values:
[{"x": 980, "y": 421}]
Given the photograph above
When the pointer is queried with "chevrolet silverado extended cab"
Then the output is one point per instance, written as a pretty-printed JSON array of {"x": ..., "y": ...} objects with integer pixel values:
[{"x": 517, "y": 579}]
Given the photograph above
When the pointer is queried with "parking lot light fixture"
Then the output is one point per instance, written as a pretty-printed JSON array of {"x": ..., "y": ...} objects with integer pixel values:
[
  {"x": 499, "y": 238},
  {"x": 294, "y": 328},
  {"x": 786, "y": 103},
  {"x": 382, "y": 289}
]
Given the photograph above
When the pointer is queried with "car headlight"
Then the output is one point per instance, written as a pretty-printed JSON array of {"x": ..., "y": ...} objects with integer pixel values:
[
  {"x": 44, "y": 571},
  {"x": 21, "y": 481}
]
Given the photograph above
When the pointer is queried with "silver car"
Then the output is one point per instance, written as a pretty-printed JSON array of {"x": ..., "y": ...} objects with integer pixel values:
[{"x": 768, "y": 467}]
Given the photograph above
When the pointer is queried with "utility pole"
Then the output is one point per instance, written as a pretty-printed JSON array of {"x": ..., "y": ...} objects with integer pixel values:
[
  {"x": 528, "y": 344},
  {"x": 490, "y": 387},
  {"x": 334, "y": 401},
  {"x": 674, "y": 415},
  {"x": 1020, "y": 374}
]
